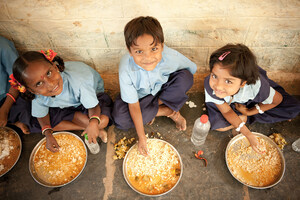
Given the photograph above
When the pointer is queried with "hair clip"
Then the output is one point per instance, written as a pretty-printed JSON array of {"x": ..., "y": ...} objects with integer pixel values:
[
  {"x": 15, "y": 84},
  {"x": 224, "y": 55},
  {"x": 49, "y": 54}
]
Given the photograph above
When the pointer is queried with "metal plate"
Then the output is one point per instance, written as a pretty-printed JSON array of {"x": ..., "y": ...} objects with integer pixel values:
[
  {"x": 11, "y": 131},
  {"x": 242, "y": 137},
  {"x": 35, "y": 150},
  {"x": 156, "y": 195}
]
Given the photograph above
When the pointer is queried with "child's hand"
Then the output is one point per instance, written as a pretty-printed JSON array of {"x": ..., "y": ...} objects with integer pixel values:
[
  {"x": 92, "y": 131},
  {"x": 254, "y": 143},
  {"x": 241, "y": 108},
  {"x": 51, "y": 143},
  {"x": 142, "y": 146}
]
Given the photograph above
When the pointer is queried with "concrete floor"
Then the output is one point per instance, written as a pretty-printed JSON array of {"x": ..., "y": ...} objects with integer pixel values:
[{"x": 103, "y": 178}]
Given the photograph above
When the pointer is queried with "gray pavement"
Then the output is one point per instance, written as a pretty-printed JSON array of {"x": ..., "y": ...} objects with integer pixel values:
[{"x": 103, "y": 178}]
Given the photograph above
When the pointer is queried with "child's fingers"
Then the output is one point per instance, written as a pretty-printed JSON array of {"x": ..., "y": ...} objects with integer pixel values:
[
  {"x": 94, "y": 140},
  {"x": 84, "y": 132}
]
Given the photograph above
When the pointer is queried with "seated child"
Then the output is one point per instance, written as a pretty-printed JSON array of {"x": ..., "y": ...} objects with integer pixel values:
[
  {"x": 12, "y": 109},
  {"x": 237, "y": 91},
  {"x": 153, "y": 79},
  {"x": 65, "y": 96}
]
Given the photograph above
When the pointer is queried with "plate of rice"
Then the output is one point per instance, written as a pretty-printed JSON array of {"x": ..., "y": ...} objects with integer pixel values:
[
  {"x": 255, "y": 170},
  {"x": 10, "y": 149},
  {"x": 154, "y": 175},
  {"x": 60, "y": 168}
]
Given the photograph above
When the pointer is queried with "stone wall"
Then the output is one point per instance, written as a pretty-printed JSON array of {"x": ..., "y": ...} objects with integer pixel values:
[{"x": 92, "y": 31}]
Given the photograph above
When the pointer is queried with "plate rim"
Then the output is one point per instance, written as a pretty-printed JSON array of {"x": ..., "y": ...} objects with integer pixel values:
[
  {"x": 149, "y": 195},
  {"x": 37, "y": 147},
  {"x": 241, "y": 136},
  {"x": 21, "y": 146}
]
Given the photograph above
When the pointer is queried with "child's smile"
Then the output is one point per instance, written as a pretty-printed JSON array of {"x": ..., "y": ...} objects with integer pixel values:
[
  {"x": 43, "y": 78},
  {"x": 146, "y": 53},
  {"x": 223, "y": 83}
]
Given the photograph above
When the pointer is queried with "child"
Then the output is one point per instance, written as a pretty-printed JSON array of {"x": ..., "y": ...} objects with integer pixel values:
[
  {"x": 65, "y": 96},
  {"x": 238, "y": 91},
  {"x": 153, "y": 79},
  {"x": 12, "y": 109}
]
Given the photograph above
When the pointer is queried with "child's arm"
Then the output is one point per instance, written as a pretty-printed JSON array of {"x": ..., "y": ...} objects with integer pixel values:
[
  {"x": 92, "y": 129},
  {"x": 277, "y": 99},
  {"x": 136, "y": 116},
  {"x": 51, "y": 142},
  {"x": 6, "y": 106},
  {"x": 235, "y": 121}
]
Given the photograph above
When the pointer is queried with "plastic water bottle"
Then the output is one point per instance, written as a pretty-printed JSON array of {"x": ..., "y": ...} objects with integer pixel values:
[
  {"x": 200, "y": 130},
  {"x": 296, "y": 145},
  {"x": 93, "y": 147}
]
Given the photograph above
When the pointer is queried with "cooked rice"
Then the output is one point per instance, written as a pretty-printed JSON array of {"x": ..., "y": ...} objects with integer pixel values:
[{"x": 253, "y": 168}]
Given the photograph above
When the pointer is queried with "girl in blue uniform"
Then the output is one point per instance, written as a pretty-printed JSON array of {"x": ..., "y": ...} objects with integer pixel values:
[
  {"x": 65, "y": 96},
  {"x": 237, "y": 91},
  {"x": 153, "y": 79}
]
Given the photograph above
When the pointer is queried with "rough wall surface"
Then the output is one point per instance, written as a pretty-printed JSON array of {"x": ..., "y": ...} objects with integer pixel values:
[{"x": 92, "y": 31}]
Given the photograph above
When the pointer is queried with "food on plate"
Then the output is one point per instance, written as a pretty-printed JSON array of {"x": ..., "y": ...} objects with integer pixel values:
[
  {"x": 63, "y": 166},
  {"x": 252, "y": 168},
  {"x": 10, "y": 149},
  {"x": 158, "y": 172}
]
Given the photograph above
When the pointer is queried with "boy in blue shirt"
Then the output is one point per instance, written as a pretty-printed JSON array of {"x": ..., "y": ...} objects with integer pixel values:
[{"x": 153, "y": 79}]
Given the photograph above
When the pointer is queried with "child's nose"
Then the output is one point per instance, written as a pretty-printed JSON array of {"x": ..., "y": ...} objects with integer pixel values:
[
  {"x": 51, "y": 83},
  {"x": 147, "y": 55},
  {"x": 218, "y": 85}
]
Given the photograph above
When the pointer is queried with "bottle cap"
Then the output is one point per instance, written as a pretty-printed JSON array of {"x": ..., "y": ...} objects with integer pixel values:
[
  {"x": 86, "y": 137},
  {"x": 203, "y": 119}
]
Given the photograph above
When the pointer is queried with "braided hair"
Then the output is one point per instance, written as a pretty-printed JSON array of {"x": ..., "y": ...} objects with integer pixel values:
[{"x": 23, "y": 62}]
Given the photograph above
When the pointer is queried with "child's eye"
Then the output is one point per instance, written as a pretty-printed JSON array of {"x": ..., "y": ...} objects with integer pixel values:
[
  {"x": 228, "y": 81},
  {"x": 49, "y": 73},
  {"x": 213, "y": 76},
  {"x": 154, "y": 49},
  {"x": 138, "y": 51},
  {"x": 39, "y": 84}
]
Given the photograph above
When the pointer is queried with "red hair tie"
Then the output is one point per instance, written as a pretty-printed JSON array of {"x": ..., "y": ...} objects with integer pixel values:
[
  {"x": 49, "y": 54},
  {"x": 15, "y": 84}
]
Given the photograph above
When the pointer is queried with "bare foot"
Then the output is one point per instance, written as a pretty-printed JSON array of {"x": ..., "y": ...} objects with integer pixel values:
[
  {"x": 151, "y": 122},
  {"x": 179, "y": 120},
  {"x": 103, "y": 135},
  {"x": 23, "y": 127}
]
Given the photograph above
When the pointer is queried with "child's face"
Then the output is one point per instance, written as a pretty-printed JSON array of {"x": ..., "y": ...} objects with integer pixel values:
[
  {"x": 223, "y": 83},
  {"x": 145, "y": 53},
  {"x": 44, "y": 79}
]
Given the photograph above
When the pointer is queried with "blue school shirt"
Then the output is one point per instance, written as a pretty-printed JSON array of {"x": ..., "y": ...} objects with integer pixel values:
[
  {"x": 136, "y": 82},
  {"x": 8, "y": 55},
  {"x": 263, "y": 92},
  {"x": 81, "y": 84}
]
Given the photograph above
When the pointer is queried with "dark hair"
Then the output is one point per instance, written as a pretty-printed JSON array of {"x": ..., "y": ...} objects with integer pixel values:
[
  {"x": 241, "y": 62},
  {"x": 22, "y": 63},
  {"x": 140, "y": 26}
]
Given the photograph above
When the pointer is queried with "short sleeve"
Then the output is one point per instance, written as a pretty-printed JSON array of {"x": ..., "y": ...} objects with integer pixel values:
[
  {"x": 88, "y": 97},
  {"x": 128, "y": 92},
  {"x": 269, "y": 100},
  {"x": 38, "y": 109},
  {"x": 8, "y": 55}
]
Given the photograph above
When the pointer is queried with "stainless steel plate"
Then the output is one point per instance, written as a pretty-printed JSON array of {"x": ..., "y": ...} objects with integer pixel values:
[
  {"x": 35, "y": 150},
  {"x": 242, "y": 137},
  {"x": 11, "y": 131},
  {"x": 126, "y": 176}
]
